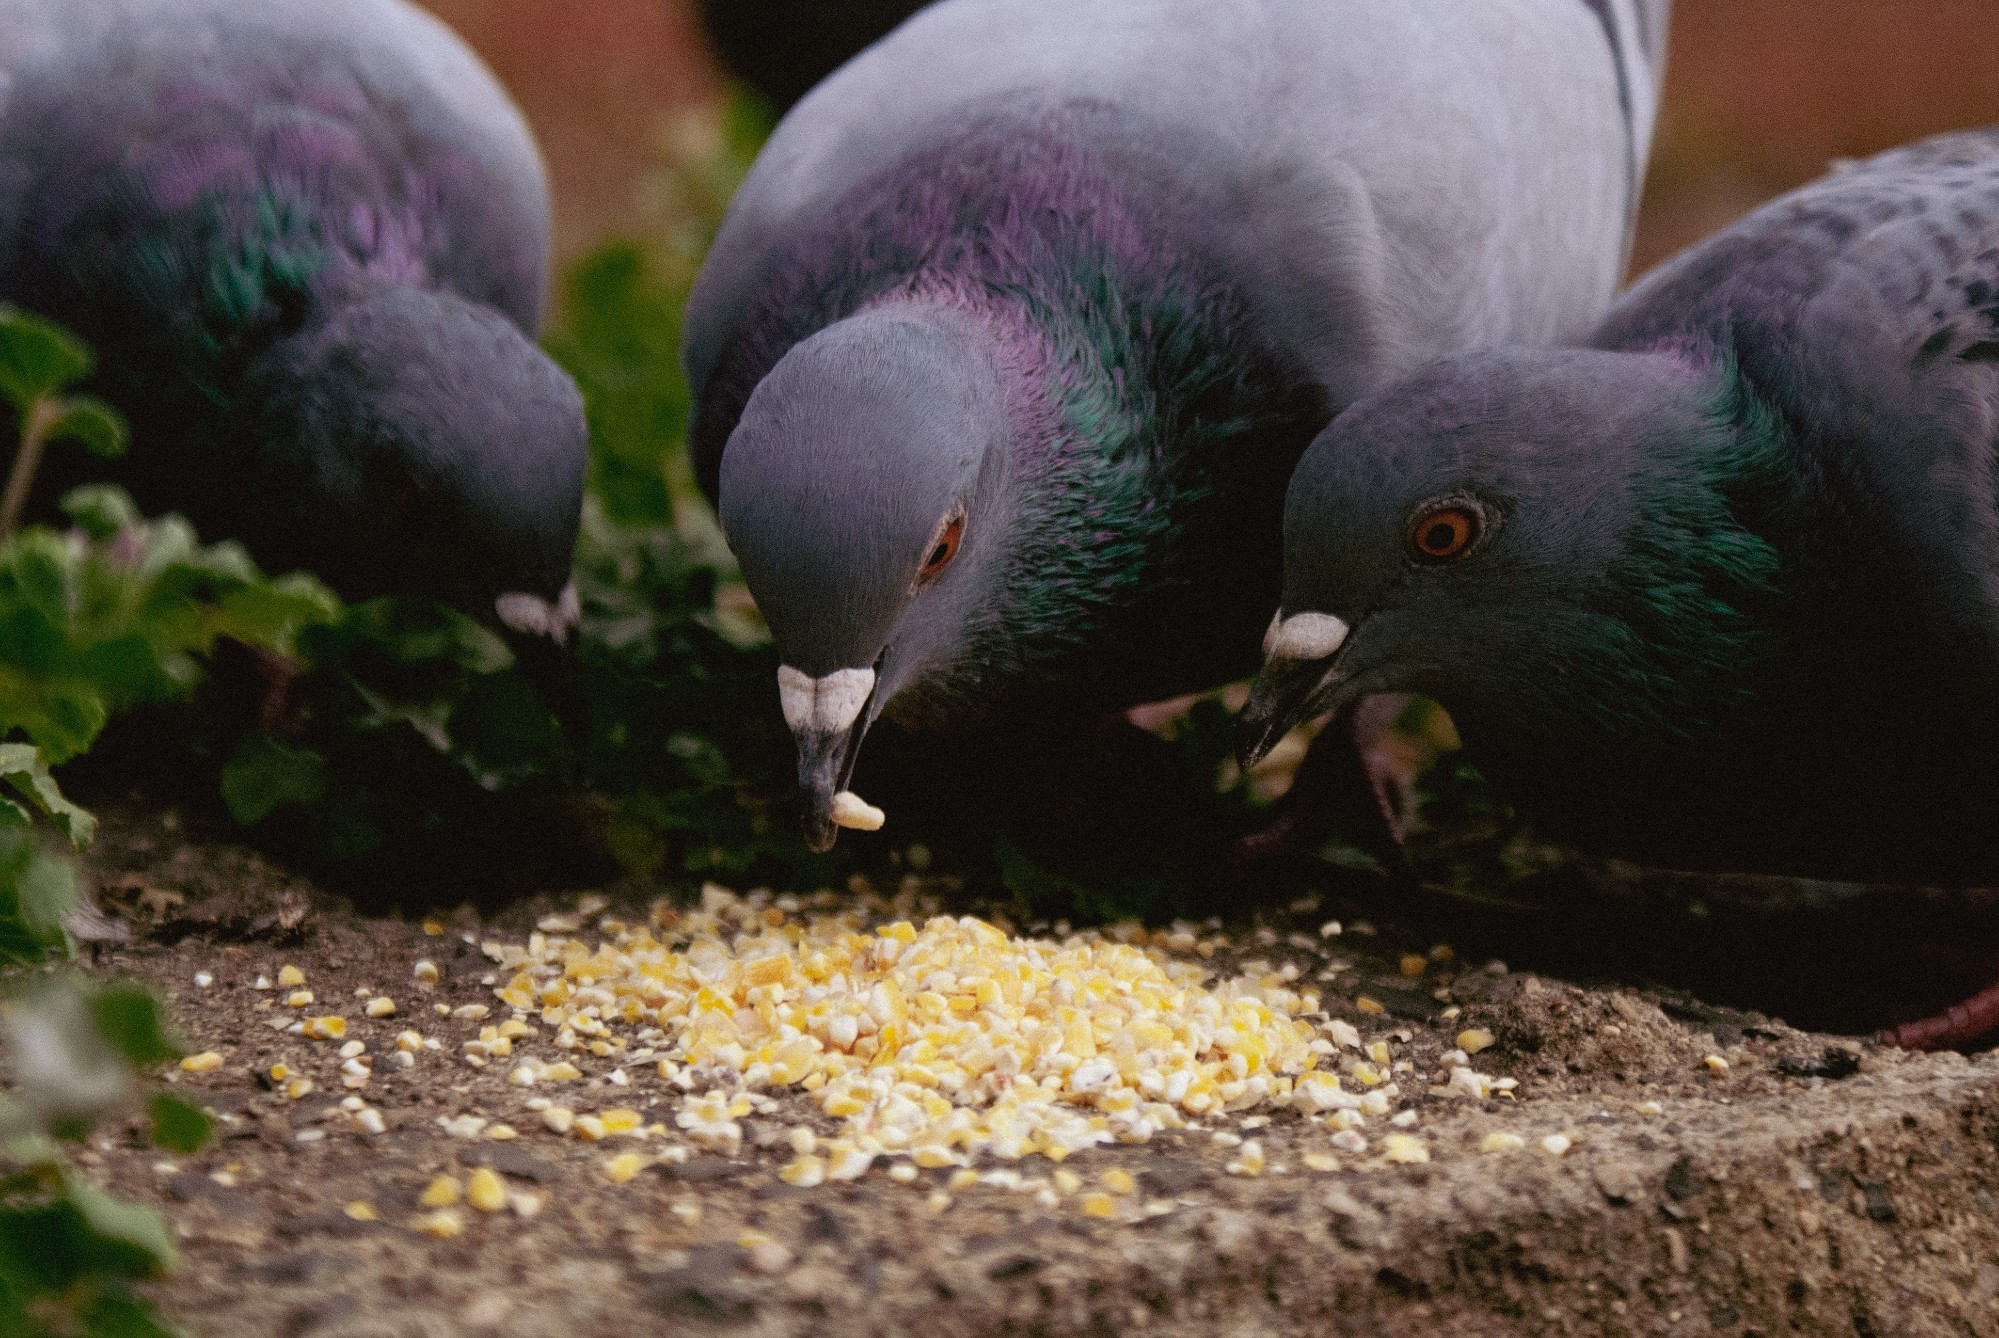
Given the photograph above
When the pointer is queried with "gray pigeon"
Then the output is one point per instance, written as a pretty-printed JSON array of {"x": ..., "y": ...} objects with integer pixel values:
[
  {"x": 1717, "y": 590},
  {"x": 1011, "y": 339},
  {"x": 308, "y": 239}
]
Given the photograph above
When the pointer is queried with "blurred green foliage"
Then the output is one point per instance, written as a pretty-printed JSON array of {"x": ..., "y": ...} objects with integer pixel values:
[
  {"x": 112, "y": 614},
  {"x": 70, "y": 1253}
]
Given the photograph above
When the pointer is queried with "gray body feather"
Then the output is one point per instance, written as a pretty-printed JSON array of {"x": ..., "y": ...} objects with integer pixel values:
[
  {"x": 1733, "y": 603},
  {"x": 309, "y": 241},
  {"x": 1181, "y": 234},
  {"x": 1444, "y": 175}
]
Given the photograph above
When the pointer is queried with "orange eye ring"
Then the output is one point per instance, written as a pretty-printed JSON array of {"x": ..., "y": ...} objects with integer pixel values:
[
  {"x": 1442, "y": 533},
  {"x": 943, "y": 548}
]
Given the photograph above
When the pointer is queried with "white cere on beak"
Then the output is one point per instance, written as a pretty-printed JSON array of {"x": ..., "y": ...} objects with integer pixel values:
[
  {"x": 828, "y": 704},
  {"x": 1303, "y": 636},
  {"x": 532, "y": 615},
  {"x": 857, "y": 814}
]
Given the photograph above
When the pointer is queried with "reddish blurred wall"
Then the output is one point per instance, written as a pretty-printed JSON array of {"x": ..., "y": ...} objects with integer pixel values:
[
  {"x": 601, "y": 82},
  {"x": 1762, "y": 94}
]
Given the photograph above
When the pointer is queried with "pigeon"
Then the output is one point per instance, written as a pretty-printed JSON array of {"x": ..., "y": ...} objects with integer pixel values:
[
  {"x": 1713, "y": 589},
  {"x": 1007, "y": 346},
  {"x": 308, "y": 241}
]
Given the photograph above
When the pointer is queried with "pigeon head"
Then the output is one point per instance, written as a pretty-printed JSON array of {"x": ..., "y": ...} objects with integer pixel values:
[
  {"x": 862, "y": 493},
  {"x": 1536, "y": 539},
  {"x": 418, "y": 442}
]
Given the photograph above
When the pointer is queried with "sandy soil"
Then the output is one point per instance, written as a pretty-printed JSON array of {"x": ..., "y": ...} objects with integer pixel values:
[{"x": 1815, "y": 1184}]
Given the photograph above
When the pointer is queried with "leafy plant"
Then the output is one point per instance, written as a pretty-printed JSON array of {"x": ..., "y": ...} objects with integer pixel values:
[
  {"x": 70, "y": 1253},
  {"x": 38, "y": 361},
  {"x": 121, "y": 611}
]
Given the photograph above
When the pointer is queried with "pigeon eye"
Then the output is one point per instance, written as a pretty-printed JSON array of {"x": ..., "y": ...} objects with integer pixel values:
[
  {"x": 1444, "y": 532},
  {"x": 944, "y": 549}
]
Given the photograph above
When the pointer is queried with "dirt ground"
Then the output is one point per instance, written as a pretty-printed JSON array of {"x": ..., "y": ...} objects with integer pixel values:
[{"x": 1725, "y": 1174}]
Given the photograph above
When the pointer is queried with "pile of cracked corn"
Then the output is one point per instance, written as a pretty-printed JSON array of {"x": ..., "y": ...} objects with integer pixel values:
[{"x": 938, "y": 1043}]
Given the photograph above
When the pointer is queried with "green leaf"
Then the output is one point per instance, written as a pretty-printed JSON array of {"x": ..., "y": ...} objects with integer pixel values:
[
  {"x": 37, "y": 359},
  {"x": 45, "y": 892},
  {"x": 91, "y": 423},
  {"x": 116, "y": 1223},
  {"x": 101, "y": 510},
  {"x": 117, "y": 1313},
  {"x": 178, "y": 1126},
  {"x": 132, "y": 1021},
  {"x": 265, "y": 774},
  {"x": 22, "y": 768}
]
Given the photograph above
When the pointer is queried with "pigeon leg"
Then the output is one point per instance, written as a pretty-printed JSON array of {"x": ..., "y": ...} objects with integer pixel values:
[
  {"x": 1336, "y": 791},
  {"x": 1958, "y": 1025}
]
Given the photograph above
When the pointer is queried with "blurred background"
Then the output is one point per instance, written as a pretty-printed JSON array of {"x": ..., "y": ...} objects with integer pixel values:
[{"x": 1760, "y": 94}]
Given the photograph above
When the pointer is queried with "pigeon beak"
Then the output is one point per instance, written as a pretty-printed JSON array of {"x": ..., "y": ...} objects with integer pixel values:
[
  {"x": 828, "y": 716},
  {"x": 1300, "y": 670}
]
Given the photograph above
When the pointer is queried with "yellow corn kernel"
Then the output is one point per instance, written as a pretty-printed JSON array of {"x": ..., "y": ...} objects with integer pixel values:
[
  {"x": 361, "y": 1211},
  {"x": 280, "y": 1072},
  {"x": 845, "y": 1161},
  {"x": 1501, "y": 1141},
  {"x": 1406, "y": 1149},
  {"x": 290, "y": 976},
  {"x": 1716, "y": 1062},
  {"x": 621, "y": 1168},
  {"x": 381, "y": 1006},
  {"x": 1067, "y": 1182},
  {"x": 433, "y": 926},
  {"x": 329, "y": 1028},
  {"x": 589, "y": 1128},
  {"x": 444, "y": 1224},
  {"x": 1320, "y": 1161},
  {"x": 1372, "y": 1007},
  {"x": 439, "y": 1193},
  {"x": 206, "y": 1062},
  {"x": 621, "y": 1120},
  {"x": 426, "y": 971},
  {"x": 1414, "y": 964},
  {"x": 1248, "y": 1159},
  {"x": 485, "y": 1190},
  {"x": 768, "y": 971},
  {"x": 298, "y": 1088},
  {"x": 1097, "y": 1205},
  {"x": 962, "y": 1180},
  {"x": 298, "y": 999},
  {"x": 559, "y": 1119},
  {"x": 1474, "y": 1039},
  {"x": 1118, "y": 1180},
  {"x": 805, "y": 1171}
]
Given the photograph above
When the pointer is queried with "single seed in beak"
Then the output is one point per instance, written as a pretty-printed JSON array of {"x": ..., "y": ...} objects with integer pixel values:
[{"x": 857, "y": 814}]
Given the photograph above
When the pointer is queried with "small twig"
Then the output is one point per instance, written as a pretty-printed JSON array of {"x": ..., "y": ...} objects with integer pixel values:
[{"x": 40, "y": 418}]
